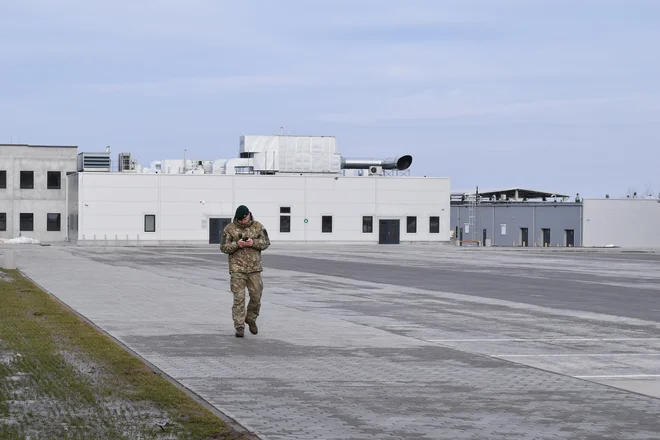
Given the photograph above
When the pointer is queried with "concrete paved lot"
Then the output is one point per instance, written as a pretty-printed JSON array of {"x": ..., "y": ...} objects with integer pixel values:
[{"x": 380, "y": 342}]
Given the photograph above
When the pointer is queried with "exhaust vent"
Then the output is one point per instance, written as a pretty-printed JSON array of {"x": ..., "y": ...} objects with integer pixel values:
[
  {"x": 394, "y": 163},
  {"x": 94, "y": 162}
]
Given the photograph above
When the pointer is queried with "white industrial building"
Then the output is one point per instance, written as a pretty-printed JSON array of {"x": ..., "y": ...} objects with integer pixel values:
[
  {"x": 629, "y": 222},
  {"x": 32, "y": 190},
  {"x": 297, "y": 186}
]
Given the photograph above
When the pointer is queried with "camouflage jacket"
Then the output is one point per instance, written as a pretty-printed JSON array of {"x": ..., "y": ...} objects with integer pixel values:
[{"x": 247, "y": 259}]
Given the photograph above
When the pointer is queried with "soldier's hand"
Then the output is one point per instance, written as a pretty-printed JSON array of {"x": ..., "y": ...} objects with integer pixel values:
[{"x": 249, "y": 242}]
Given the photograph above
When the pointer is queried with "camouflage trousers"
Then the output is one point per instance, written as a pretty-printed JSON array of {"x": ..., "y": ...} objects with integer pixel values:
[{"x": 238, "y": 283}]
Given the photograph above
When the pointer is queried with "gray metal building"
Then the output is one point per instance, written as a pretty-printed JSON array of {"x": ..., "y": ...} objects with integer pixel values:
[{"x": 516, "y": 217}]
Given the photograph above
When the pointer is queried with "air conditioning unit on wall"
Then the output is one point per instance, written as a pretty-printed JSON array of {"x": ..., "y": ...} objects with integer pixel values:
[{"x": 375, "y": 170}]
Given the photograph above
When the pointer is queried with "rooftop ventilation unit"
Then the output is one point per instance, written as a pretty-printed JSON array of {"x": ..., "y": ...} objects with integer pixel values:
[
  {"x": 375, "y": 170},
  {"x": 94, "y": 162},
  {"x": 124, "y": 163}
]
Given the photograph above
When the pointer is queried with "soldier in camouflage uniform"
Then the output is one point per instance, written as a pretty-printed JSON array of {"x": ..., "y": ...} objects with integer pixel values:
[{"x": 243, "y": 240}]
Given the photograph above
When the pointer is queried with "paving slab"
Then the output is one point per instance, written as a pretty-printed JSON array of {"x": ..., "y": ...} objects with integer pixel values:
[{"x": 380, "y": 342}]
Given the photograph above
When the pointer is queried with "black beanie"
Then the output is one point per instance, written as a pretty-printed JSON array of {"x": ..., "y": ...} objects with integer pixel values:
[{"x": 242, "y": 212}]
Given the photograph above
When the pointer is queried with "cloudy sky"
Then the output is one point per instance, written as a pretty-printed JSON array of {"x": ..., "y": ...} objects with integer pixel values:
[{"x": 558, "y": 95}]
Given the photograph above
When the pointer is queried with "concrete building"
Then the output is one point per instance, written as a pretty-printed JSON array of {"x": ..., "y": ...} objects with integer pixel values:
[
  {"x": 297, "y": 186},
  {"x": 628, "y": 223},
  {"x": 516, "y": 217},
  {"x": 32, "y": 190}
]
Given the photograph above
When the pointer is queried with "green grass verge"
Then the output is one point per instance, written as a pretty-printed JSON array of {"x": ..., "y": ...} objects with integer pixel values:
[{"x": 62, "y": 378}]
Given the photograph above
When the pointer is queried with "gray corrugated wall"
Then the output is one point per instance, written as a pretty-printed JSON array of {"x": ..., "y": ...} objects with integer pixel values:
[{"x": 558, "y": 217}]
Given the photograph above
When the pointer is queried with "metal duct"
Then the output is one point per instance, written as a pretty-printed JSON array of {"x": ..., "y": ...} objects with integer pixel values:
[{"x": 392, "y": 163}]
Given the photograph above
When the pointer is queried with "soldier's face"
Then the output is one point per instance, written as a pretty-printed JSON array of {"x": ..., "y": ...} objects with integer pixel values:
[{"x": 245, "y": 220}]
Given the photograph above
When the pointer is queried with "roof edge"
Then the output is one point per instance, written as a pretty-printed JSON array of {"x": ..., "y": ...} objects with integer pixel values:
[{"x": 38, "y": 146}]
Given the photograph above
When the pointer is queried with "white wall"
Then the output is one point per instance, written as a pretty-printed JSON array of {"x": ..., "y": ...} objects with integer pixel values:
[
  {"x": 629, "y": 223},
  {"x": 113, "y": 205},
  {"x": 39, "y": 200}
]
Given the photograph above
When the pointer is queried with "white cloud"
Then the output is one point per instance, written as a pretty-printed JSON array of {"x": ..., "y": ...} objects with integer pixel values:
[
  {"x": 187, "y": 87},
  {"x": 429, "y": 106}
]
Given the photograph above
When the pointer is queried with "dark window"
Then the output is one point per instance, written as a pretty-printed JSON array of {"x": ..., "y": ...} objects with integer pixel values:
[
  {"x": 27, "y": 179},
  {"x": 411, "y": 223},
  {"x": 53, "y": 222},
  {"x": 285, "y": 223},
  {"x": 3, "y": 221},
  {"x": 367, "y": 224},
  {"x": 149, "y": 223},
  {"x": 26, "y": 222},
  {"x": 434, "y": 225},
  {"x": 326, "y": 223},
  {"x": 285, "y": 220},
  {"x": 3, "y": 179},
  {"x": 54, "y": 180}
]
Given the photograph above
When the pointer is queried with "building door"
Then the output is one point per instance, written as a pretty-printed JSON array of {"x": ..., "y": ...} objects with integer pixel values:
[
  {"x": 546, "y": 237},
  {"x": 460, "y": 237},
  {"x": 570, "y": 237},
  {"x": 216, "y": 226},
  {"x": 388, "y": 231},
  {"x": 484, "y": 238},
  {"x": 524, "y": 236}
]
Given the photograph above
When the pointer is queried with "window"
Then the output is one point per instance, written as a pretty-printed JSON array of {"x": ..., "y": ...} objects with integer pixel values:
[
  {"x": 434, "y": 225},
  {"x": 285, "y": 223},
  {"x": 53, "y": 221},
  {"x": 3, "y": 221},
  {"x": 3, "y": 178},
  {"x": 411, "y": 223},
  {"x": 27, "y": 179},
  {"x": 326, "y": 223},
  {"x": 54, "y": 180},
  {"x": 149, "y": 223},
  {"x": 367, "y": 224},
  {"x": 26, "y": 222},
  {"x": 285, "y": 220}
]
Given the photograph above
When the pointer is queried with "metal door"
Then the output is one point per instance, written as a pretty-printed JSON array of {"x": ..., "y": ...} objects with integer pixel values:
[
  {"x": 388, "y": 231},
  {"x": 546, "y": 237},
  {"x": 524, "y": 236},
  {"x": 570, "y": 237},
  {"x": 216, "y": 226}
]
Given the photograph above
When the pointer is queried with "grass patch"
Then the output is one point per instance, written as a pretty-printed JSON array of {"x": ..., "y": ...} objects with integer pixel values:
[{"x": 62, "y": 378}]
